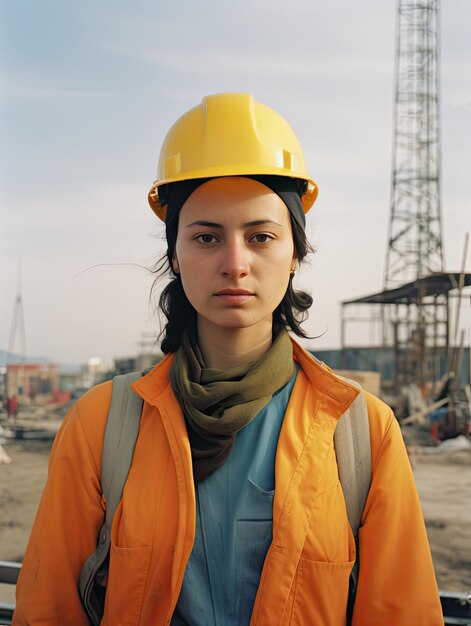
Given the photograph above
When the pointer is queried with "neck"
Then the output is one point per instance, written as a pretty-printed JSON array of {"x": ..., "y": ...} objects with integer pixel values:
[{"x": 224, "y": 348}]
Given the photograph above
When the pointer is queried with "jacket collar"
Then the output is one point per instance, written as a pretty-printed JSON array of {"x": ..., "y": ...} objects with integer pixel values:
[
  {"x": 151, "y": 386},
  {"x": 341, "y": 393}
]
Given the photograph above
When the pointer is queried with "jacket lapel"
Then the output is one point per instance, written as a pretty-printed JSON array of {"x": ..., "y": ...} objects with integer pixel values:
[
  {"x": 155, "y": 389},
  {"x": 318, "y": 400}
]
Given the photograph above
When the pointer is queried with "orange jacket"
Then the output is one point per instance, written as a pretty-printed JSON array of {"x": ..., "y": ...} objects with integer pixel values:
[{"x": 306, "y": 571}]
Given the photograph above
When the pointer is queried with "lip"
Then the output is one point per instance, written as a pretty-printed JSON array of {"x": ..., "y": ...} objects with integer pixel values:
[
  {"x": 234, "y": 292},
  {"x": 234, "y": 296}
]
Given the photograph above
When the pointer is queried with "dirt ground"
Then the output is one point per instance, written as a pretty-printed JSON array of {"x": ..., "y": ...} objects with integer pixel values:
[
  {"x": 444, "y": 485},
  {"x": 443, "y": 481}
]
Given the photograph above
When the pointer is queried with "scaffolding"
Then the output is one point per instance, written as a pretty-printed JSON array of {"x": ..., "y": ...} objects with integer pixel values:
[{"x": 422, "y": 330}]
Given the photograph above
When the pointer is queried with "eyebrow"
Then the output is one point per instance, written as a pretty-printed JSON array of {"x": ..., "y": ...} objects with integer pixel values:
[{"x": 246, "y": 225}]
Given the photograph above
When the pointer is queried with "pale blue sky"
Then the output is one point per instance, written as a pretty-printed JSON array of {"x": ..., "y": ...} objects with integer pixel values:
[{"x": 88, "y": 91}]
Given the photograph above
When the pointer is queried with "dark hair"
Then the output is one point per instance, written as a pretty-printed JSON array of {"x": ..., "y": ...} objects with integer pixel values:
[{"x": 173, "y": 303}]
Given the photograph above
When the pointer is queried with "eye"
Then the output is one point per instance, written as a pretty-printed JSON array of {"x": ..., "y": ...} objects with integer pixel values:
[
  {"x": 261, "y": 238},
  {"x": 206, "y": 238}
]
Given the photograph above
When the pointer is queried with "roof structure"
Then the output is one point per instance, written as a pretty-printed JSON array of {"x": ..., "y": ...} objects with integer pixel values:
[{"x": 410, "y": 293}]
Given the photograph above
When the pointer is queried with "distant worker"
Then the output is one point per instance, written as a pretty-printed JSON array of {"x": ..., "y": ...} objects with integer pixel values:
[
  {"x": 233, "y": 512},
  {"x": 12, "y": 406}
]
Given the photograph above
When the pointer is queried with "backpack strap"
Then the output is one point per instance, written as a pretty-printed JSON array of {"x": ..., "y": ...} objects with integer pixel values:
[
  {"x": 353, "y": 451},
  {"x": 122, "y": 429}
]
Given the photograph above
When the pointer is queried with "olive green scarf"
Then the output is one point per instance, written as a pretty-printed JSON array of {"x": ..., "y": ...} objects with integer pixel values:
[{"x": 219, "y": 403}]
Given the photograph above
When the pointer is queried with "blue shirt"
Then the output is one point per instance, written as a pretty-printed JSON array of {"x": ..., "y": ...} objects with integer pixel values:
[{"x": 234, "y": 516}]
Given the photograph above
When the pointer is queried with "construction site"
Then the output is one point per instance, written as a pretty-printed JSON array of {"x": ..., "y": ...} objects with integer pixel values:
[{"x": 418, "y": 359}]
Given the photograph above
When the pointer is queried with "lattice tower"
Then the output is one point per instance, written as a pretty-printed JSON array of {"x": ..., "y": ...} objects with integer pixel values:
[{"x": 415, "y": 241}]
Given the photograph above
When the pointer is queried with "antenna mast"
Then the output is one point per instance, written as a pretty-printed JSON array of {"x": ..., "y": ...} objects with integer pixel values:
[{"x": 18, "y": 321}]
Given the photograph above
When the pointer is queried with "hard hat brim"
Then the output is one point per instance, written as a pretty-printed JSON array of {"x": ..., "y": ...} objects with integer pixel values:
[{"x": 160, "y": 208}]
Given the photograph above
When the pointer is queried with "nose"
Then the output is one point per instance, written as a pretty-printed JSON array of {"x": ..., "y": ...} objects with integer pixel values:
[{"x": 235, "y": 262}]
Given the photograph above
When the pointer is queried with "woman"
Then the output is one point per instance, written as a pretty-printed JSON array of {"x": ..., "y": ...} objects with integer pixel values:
[{"x": 232, "y": 512}]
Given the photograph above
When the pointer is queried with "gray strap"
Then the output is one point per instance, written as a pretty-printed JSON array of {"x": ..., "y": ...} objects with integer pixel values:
[
  {"x": 121, "y": 433},
  {"x": 122, "y": 429},
  {"x": 353, "y": 451}
]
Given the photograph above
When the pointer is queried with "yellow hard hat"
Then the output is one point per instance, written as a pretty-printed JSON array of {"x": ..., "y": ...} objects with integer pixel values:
[{"x": 230, "y": 134}]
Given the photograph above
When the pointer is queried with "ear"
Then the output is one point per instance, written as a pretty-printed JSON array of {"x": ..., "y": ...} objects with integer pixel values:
[{"x": 175, "y": 264}]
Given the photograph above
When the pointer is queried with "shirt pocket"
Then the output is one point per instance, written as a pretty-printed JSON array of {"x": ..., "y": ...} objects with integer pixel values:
[
  {"x": 258, "y": 492},
  {"x": 255, "y": 503},
  {"x": 321, "y": 593}
]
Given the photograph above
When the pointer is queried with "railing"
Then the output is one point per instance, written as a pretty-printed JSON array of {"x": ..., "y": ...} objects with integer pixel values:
[
  {"x": 456, "y": 606},
  {"x": 9, "y": 575}
]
